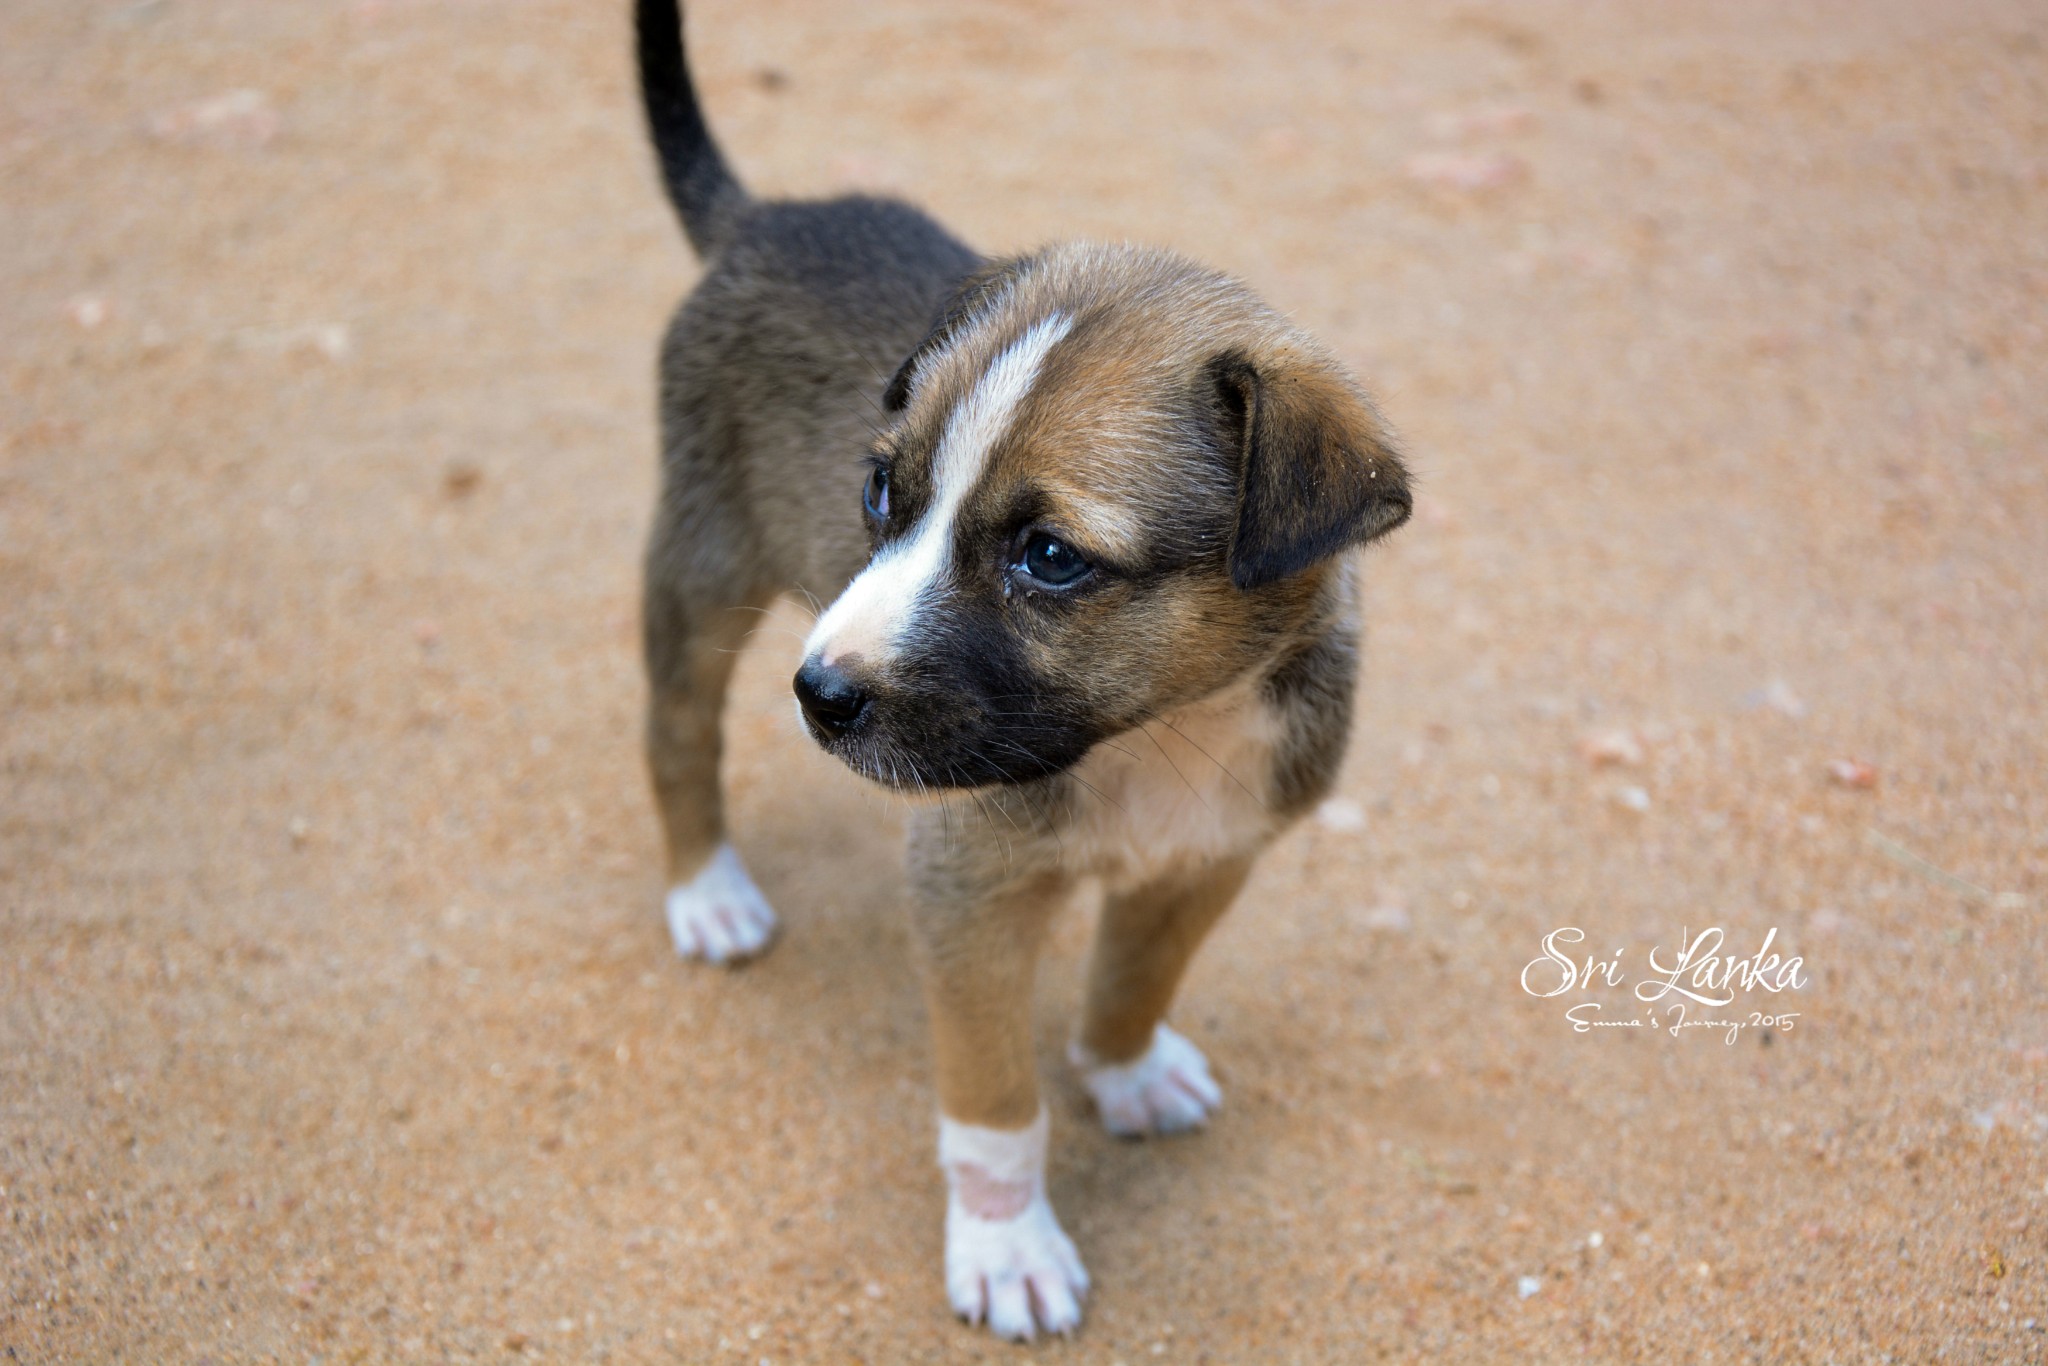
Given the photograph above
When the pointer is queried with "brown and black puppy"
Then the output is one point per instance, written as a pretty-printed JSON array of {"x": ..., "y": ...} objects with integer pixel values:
[{"x": 1091, "y": 573}]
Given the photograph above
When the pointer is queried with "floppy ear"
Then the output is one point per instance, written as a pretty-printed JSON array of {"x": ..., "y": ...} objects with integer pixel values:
[
  {"x": 1316, "y": 471},
  {"x": 961, "y": 305}
]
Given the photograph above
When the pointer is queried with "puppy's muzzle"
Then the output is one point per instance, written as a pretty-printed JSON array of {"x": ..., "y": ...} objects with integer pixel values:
[{"x": 832, "y": 701}]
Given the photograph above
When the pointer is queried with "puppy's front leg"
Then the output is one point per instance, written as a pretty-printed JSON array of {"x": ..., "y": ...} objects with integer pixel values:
[
  {"x": 1008, "y": 1262},
  {"x": 1146, "y": 1078}
]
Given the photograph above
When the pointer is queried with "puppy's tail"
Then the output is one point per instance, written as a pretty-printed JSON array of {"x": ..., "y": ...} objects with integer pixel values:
[{"x": 700, "y": 184}]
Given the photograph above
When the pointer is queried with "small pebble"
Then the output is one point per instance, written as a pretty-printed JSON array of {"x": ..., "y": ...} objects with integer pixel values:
[
  {"x": 460, "y": 479},
  {"x": 1527, "y": 1286},
  {"x": 1779, "y": 697},
  {"x": 1622, "y": 746},
  {"x": 333, "y": 340},
  {"x": 1342, "y": 815},
  {"x": 1470, "y": 171},
  {"x": 1387, "y": 917},
  {"x": 89, "y": 311},
  {"x": 1852, "y": 773},
  {"x": 235, "y": 118}
]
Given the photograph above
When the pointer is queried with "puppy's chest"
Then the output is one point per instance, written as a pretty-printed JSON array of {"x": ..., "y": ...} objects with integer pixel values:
[{"x": 1188, "y": 788}]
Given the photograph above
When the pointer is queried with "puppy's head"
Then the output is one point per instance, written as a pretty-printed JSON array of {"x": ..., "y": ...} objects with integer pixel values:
[{"x": 1114, "y": 482}]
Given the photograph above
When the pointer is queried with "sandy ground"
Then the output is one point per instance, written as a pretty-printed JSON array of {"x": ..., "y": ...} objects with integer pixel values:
[{"x": 337, "y": 1019}]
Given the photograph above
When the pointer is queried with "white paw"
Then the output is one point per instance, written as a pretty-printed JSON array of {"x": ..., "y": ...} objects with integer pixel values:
[
  {"x": 1017, "y": 1275},
  {"x": 720, "y": 915},
  {"x": 1167, "y": 1089},
  {"x": 1009, "y": 1264}
]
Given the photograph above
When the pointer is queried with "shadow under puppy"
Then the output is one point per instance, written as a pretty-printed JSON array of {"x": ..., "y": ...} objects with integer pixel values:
[{"x": 1089, "y": 572}]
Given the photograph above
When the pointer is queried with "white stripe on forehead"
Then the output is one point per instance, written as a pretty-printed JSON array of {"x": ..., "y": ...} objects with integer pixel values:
[
  {"x": 984, "y": 415},
  {"x": 871, "y": 615}
]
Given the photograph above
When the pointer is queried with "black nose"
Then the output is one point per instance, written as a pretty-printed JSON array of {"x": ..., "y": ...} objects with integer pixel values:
[{"x": 833, "y": 701}]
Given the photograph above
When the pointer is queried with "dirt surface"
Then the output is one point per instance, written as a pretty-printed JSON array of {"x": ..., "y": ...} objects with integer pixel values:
[{"x": 337, "y": 1018}]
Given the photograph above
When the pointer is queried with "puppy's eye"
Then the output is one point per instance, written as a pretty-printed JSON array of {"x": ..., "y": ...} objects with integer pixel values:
[
  {"x": 875, "y": 497},
  {"x": 1052, "y": 562}
]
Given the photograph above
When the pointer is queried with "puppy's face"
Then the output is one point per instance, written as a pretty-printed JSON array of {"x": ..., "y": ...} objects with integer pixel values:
[{"x": 1112, "y": 479}]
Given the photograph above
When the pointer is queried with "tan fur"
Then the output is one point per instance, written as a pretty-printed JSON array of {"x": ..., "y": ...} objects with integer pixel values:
[
  {"x": 1188, "y": 788},
  {"x": 1170, "y": 812},
  {"x": 1153, "y": 719},
  {"x": 1169, "y": 816},
  {"x": 1146, "y": 939},
  {"x": 977, "y": 964}
]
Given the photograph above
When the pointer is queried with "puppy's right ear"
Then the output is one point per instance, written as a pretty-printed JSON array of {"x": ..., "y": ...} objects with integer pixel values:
[{"x": 968, "y": 298}]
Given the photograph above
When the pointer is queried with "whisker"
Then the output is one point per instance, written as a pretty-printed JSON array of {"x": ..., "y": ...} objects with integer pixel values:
[
  {"x": 1206, "y": 755},
  {"x": 1064, "y": 773},
  {"x": 816, "y": 608},
  {"x": 1174, "y": 766},
  {"x": 773, "y": 630}
]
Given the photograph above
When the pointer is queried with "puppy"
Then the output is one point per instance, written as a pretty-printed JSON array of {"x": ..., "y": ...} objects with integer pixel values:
[{"x": 1090, "y": 571}]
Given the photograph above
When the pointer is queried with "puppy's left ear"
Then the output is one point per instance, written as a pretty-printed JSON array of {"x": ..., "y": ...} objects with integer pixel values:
[{"x": 1317, "y": 473}]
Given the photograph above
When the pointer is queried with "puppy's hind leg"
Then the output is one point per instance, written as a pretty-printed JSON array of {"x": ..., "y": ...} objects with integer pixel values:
[
  {"x": 1145, "y": 1077},
  {"x": 695, "y": 624}
]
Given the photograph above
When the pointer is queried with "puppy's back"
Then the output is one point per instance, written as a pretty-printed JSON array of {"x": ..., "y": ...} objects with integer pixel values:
[{"x": 773, "y": 368}]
